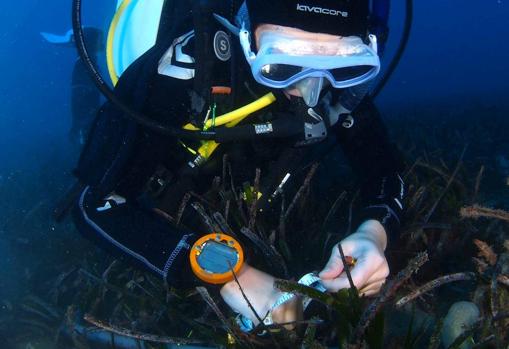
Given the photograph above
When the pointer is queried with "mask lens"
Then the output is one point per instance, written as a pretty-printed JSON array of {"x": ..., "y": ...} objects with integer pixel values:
[
  {"x": 348, "y": 73},
  {"x": 279, "y": 72}
]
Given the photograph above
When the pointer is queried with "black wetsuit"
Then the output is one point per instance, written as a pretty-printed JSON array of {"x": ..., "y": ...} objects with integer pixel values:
[{"x": 121, "y": 157}]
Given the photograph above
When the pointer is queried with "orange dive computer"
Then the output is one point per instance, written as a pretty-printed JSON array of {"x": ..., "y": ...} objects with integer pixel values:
[{"x": 214, "y": 256}]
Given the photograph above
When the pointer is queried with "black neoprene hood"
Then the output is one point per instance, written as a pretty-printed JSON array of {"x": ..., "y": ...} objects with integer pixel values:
[{"x": 337, "y": 17}]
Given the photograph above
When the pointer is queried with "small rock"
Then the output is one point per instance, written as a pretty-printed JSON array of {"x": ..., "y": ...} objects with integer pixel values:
[{"x": 461, "y": 315}]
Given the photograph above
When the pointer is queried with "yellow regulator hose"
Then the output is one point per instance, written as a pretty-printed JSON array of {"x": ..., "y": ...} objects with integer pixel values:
[{"x": 231, "y": 119}]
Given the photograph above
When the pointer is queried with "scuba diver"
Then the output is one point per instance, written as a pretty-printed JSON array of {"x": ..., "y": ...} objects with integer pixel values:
[
  {"x": 85, "y": 98},
  {"x": 302, "y": 72}
]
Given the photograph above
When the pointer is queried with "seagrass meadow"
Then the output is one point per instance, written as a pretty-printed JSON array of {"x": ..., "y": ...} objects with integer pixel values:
[
  {"x": 454, "y": 247},
  {"x": 444, "y": 104}
]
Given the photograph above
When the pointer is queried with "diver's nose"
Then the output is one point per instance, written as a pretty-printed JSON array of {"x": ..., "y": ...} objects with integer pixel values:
[{"x": 310, "y": 89}]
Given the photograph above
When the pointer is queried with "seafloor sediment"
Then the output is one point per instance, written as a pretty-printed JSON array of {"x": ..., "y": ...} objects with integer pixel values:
[{"x": 63, "y": 292}]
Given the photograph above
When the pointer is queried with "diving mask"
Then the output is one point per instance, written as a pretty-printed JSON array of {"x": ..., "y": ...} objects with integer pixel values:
[{"x": 287, "y": 56}]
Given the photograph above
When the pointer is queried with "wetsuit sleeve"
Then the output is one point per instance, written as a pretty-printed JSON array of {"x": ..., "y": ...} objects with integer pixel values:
[
  {"x": 377, "y": 164},
  {"x": 142, "y": 236},
  {"x": 119, "y": 159}
]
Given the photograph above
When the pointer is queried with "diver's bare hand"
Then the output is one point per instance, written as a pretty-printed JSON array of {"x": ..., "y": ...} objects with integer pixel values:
[
  {"x": 366, "y": 246},
  {"x": 259, "y": 289}
]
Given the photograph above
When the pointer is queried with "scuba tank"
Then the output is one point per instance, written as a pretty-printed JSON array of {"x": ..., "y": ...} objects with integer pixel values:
[{"x": 125, "y": 41}]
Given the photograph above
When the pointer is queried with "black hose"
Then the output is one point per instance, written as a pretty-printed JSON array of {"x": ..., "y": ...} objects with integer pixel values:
[
  {"x": 399, "y": 53},
  {"x": 110, "y": 95},
  {"x": 281, "y": 129}
]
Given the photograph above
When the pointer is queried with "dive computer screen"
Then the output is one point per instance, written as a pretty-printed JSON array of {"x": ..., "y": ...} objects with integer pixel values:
[{"x": 217, "y": 258}]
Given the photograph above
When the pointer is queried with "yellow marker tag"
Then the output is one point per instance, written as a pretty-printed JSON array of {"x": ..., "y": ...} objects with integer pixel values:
[
  {"x": 231, "y": 339},
  {"x": 248, "y": 193}
]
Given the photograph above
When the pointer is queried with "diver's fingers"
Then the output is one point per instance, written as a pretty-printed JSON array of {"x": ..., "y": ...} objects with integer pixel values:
[
  {"x": 334, "y": 266},
  {"x": 371, "y": 289},
  {"x": 375, "y": 282},
  {"x": 380, "y": 274},
  {"x": 360, "y": 275},
  {"x": 372, "y": 281}
]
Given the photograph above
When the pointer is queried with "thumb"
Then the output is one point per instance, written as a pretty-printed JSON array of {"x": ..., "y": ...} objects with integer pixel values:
[{"x": 334, "y": 266}]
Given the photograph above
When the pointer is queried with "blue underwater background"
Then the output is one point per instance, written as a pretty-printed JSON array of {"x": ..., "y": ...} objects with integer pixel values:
[
  {"x": 456, "y": 67},
  {"x": 36, "y": 156}
]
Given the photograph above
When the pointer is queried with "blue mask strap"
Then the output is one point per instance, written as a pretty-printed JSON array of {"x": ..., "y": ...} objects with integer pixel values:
[
  {"x": 243, "y": 16},
  {"x": 226, "y": 23},
  {"x": 241, "y": 19}
]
